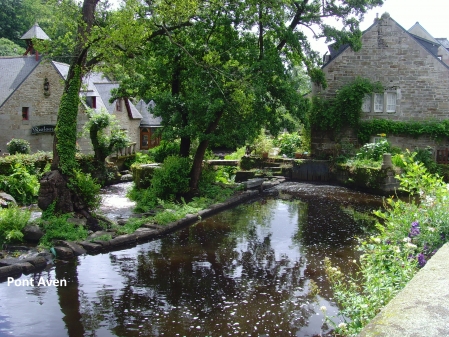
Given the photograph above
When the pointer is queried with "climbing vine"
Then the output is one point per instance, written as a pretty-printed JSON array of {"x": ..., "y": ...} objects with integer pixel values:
[
  {"x": 345, "y": 108},
  {"x": 66, "y": 126},
  {"x": 433, "y": 128}
]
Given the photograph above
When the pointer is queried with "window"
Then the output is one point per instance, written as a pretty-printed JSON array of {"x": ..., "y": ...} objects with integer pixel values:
[
  {"x": 366, "y": 106},
  {"x": 118, "y": 105},
  {"x": 25, "y": 113},
  {"x": 391, "y": 102},
  {"x": 378, "y": 102},
  {"x": 91, "y": 102}
]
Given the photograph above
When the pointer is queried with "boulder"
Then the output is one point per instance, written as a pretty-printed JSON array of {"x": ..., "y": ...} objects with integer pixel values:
[
  {"x": 39, "y": 262},
  {"x": 26, "y": 267},
  {"x": 64, "y": 253},
  {"x": 76, "y": 248},
  {"x": 12, "y": 270},
  {"x": 32, "y": 233},
  {"x": 7, "y": 200}
]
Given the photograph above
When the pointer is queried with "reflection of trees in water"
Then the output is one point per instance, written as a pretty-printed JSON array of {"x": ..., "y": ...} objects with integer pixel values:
[
  {"x": 200, "y": 281},
  {"x": 218, "y": 277}
]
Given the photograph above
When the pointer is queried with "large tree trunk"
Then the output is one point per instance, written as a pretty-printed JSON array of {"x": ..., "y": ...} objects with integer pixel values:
[
  {"x": 54, "y": 185},
  {"x": 197, "y": 166}
]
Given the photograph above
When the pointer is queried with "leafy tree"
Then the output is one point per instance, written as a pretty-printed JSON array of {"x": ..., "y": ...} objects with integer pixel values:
[
  {"x": 105, "y": 134},
  {"x": 229, "y": 72},
  {"x": 9, "y": 48},
  {"x": 100, "y": 36}
]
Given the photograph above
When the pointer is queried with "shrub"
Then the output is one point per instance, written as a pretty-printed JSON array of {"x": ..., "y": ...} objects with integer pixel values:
[
  {"x": 288, "y": 143},
  {"x": 411, "y": 234},
  {"x": 164, "y": 150},
  {"x": 22, "y": 185},
  {"x": 18, "y": 146},
  {"x": 374, "y": 151},
  {"x": 239, "y": 153},
  {"x": 86, "y": 188},
  {"x": 172, "y": 179},
  {"x": 58, "y": 228},
  {"x": 12, "y": 222}
]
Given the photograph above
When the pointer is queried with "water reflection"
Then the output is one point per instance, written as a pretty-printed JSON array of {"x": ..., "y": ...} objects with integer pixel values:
[{"x": 246, "y": 272}]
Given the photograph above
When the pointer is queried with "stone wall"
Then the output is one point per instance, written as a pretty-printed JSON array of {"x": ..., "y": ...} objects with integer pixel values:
[{"x": 403, "y": 66}]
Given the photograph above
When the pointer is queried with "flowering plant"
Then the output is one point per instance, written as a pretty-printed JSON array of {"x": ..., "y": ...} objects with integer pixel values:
[{"x": 410, "y": 233}]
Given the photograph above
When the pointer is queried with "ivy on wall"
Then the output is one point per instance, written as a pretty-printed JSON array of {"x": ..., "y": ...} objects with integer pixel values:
[
  {"x": 433, "y": 128},
  {"x": 345, "y": 108}
]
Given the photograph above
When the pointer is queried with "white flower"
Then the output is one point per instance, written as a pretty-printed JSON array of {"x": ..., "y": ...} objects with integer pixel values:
[
  {"x": 323, "y": 308},
  {"x": 431, "y": 229},
  {"x": 407, "y": 239},
  {"x": 410, "y": 245},
  {"x": 397, "y": 249},
  {"x": 342, "y": 325},
  {"x": 354, "y": 261},
  {"x": 376, "y": 240}
]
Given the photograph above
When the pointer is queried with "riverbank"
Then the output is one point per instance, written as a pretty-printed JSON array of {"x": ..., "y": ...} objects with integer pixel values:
[{"x": 65, "y": 250}]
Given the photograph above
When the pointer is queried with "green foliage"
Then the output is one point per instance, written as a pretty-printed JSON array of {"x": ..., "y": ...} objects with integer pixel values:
[
  {"x": 18, "y": 146},
  {"x": 374, "y": 151},
  {"x": 86, "y": 188},
  {"x": 165, "y": 149},
  {"x": 58, "y": 228},
  {"x": 344, "y": 109},
  {"x": 22, "y": 185},
  {"x": 288, "y": 143},
  {"x": 225, "y": 174},
  {"x": 12, "y": 222},
  {"x": 9, "y": 48},
  {"x": 105, "y": 133},
  {"x": 433, "y": 128},
  {"x": 263, "y": 143},
  {"x": 410, "y": 234},
  {"x": 239, "y": 153},
  {"x": 35, "y": 163},
  {"x": 172, "y": 179},
  {"x": 66, "y": 125}
]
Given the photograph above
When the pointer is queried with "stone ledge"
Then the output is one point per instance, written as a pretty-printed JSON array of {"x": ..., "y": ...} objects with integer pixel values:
[{"x": 421, "y": 308}]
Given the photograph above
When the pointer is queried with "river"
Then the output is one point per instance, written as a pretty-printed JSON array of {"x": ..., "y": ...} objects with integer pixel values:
[{"x": 247, "y": 271}]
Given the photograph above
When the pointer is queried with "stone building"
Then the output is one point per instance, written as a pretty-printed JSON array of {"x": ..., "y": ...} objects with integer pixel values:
[
  {"x": 30, "y": 92},
  {"x": 413, "y": 68}
]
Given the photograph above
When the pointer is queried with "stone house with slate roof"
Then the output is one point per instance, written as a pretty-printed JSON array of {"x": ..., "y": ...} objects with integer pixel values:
[
  {"x": 413, "y": 68},
  {"x": 30, "y": 92}
]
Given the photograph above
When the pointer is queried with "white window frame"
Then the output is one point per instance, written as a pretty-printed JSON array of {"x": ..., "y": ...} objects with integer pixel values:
[
  {"x": 378, "y": 104},
  {"x": 391, "y": 102},
  {"x": 366, "y": 105}
]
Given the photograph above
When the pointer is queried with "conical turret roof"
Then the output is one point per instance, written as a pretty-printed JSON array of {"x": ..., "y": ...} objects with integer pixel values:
[{"x": 35, "y": 32}]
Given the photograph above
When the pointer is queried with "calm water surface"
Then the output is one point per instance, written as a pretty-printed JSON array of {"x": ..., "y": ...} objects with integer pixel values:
[{"x": 244, "y": 272}]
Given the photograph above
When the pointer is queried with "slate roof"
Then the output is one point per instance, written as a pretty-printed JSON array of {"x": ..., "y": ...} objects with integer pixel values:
[
  {"x": 430, "y": 46},
  {"x": 148, "y": 119},
  {"x": 35, "y": 32},
  {"x": 443, "y": 41},
  {"x": 13, "y": 71}
]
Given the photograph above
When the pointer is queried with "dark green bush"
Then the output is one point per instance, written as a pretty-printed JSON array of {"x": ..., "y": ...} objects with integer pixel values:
[
  {"x": 172, "y": 179},
  {"x": 87, "y": 188},
  {"x": 18, "y": 146},
  {"x": 164, "y": 150}
]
